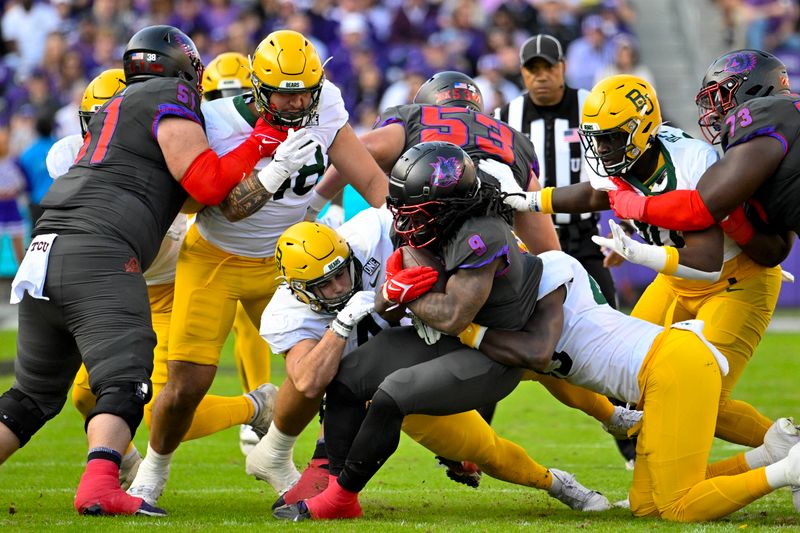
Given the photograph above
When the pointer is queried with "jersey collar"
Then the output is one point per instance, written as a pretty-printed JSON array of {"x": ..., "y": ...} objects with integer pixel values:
[{"x": 240, "y": 104}]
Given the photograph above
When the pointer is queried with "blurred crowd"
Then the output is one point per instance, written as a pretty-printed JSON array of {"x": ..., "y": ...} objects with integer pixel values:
[
  {"x": 771, "y": 25},
  {"x": 379, "y": 51}
]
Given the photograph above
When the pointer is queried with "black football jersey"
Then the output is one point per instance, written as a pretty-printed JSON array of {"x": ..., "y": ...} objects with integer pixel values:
[
  {"x": 778, "y": 117},
  {"x": 481, "y": 240},
  {"x": 481, "y": 136},
  {"x": 120, "y": 185}
]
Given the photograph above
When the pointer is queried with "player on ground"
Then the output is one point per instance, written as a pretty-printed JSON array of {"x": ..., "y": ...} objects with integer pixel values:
[
  {"x": 438, "y": 204},
  {"x": 225, "y": 259},
  {"x": 673, "y": 374},
  {"x": 702, "y": 274},
  {"x": 81, "y": 292},
  {"x": 746, "y": 105}
]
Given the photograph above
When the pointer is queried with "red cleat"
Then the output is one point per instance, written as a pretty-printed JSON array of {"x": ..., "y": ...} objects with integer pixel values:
[
  {"x": 332, "y": 504},
  {"x": 312, "y": 482},
  {"x": 99, "y": 493}
]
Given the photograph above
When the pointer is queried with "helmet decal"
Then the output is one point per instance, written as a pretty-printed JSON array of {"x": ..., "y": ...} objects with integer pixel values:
[
  {"x": 741, "y": 62},
  {"x": 446, "y": 172}
]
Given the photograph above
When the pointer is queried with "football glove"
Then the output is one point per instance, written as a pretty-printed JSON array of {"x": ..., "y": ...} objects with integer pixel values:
[
  {"x": 625, "y": 201},
  {"x": 427, "y": 333},
  {"x": 290, "y": 156},
  {"x": 409, "y": 284},
  {"x": 515, "y": 198},
  {"x": 358, "y": 306},
  {"x": 267, "y": 138},
  {"x": 737, "y": 226},
  {"x": 654, "y": 257}
]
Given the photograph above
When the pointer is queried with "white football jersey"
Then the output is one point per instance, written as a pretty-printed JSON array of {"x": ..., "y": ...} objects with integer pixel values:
[
  {"x": 257, "y": 235},
  {"x": 60, "y": 158},
  {"x": 601, "y": 348},
  {"x": 287, "y": 321},
  {"x": 686, "y": 160},
  {"x": 62, "y": 155}
]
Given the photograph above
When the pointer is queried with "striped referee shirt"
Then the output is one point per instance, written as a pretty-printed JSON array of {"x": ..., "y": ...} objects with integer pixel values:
[{"x": 553, "y": 130}]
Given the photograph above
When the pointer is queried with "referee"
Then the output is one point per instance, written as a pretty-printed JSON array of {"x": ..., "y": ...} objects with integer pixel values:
[{"x": 550, "y": 113}]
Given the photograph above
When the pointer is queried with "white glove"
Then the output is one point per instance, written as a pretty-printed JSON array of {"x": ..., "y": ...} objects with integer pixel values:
[
  {"x": 654, "y": 257},
  {"x": 427, "y": 333},
  {"x": 787, "y": 276},
  {"x": 517, "y": 199},
  {"x": 358, "y": 306},
  {"x": 290, "y": 156}
]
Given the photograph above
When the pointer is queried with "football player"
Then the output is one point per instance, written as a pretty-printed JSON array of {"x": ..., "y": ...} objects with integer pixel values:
[
  {"x": 702, "y": 274},
  {"x": 674, "y": 374},
  {"x": 322, "y": 313},
  {"x": 227, "y": 259},
  {"x": 745, "y": 104},
  {"x": 80, "y": 287},
  {"x": 438, "y": 204}
]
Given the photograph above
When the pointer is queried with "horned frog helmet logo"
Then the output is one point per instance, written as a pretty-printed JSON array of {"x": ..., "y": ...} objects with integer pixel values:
[{"x": 446, "y": 172}]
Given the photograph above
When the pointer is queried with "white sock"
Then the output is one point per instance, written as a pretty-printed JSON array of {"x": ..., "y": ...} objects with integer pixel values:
[
  {"x": 271, "y": 460},
  {"x": 154, "y": 466},
  {"x": 777, "y": 474},
  {"x": 757, "y": 457}
]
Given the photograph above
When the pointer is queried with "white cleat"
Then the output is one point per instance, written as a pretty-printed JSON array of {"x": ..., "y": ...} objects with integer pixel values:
[
  {"x": 149, "y": 484},
  {"x": 128, "y": 467},
  {"x": 247, "y": 439},
  {"x": 782, "y": 437},
  {"x": 280, "y": 474},
  {"x": 568, "y": 491},
  {"x": 263, "y": 397},
  {"x": 621, "y": 421}
]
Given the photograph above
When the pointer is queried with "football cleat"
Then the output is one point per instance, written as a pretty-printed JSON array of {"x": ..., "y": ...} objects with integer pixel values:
[
  {"x": 781, "y": 437},
  {"x": 296, "y": 512},
  {"x": 622, "y": 420},
  {"x": 462, "y": 472},
  {"x": 313, "y": 480},
  {"x": 247, "y": 439},
  {"x": 567, "y": 490},
  {"x": 263, "y": 397},
  {"x": 149, "y": 483},
  {"x": 99, "y": 494},
  {"x": 129, "y": 467}
]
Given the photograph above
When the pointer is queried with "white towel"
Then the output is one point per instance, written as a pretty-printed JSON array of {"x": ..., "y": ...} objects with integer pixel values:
[
  {"x": 33, "y": 270},
  {"x": 696, "y": 327}
]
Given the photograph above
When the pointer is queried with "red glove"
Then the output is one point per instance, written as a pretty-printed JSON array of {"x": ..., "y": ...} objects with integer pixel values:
[
  {"x": 625, "y": 202},
  {"x": 394, "y": 264},
  {"x": 737, "y": 227},
  {"x": 267, "y": 138},
  {"x": 404, "y": 286}
]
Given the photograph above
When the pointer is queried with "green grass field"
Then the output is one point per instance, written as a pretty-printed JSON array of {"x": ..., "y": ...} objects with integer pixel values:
[{"x": 209, "y": 491}]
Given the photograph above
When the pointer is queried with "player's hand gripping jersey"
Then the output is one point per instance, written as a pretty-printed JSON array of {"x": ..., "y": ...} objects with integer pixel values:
[
  {"x": 229, "y": 123},
  {"x": 481, "y": 136},
  {"x": 287, "y": 320}
]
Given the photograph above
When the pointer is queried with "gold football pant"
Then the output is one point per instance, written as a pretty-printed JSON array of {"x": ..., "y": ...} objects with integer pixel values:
[
  {"x": 736, "y": 311},
  {"x": 467, "y": 437},
  {"x": 214, "y": 413},
  {"x": 680, "y": 384}
]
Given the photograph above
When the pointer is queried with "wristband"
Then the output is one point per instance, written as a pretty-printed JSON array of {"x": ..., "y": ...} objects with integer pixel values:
[
  {"x": 472, "y": 335},
  {"x": 543, "y": 201},
  {"x": 671, "y": 265},
  {"x": 317, "y": 202},
  {"x": 340, "y": 329}
]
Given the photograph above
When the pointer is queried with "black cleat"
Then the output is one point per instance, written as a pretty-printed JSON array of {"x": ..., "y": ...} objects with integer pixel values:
[
  {"x": 296, "y": 512},
  {"x": 462, "y": 472}
]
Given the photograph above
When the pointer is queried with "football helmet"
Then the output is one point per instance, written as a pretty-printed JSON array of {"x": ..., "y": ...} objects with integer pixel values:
[
  {"x": 162, "y": 52},
  {"x": 104, "y": 86},
  {"x": 733, "y": 79},
  {"x": 228, "y": 74},
  {"x": 450, "y": 88},
  {"x": 310, "y": 254},
  {"x": 423, "y": 184},
  {"x": 286, "y": 62},
  {"x": 621, "y": 117}
]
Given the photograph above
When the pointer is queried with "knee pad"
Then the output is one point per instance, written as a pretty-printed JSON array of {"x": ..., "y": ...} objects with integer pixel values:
[
  {"x": 21, "y": 415},
  {"x": 125, "y": 400}
]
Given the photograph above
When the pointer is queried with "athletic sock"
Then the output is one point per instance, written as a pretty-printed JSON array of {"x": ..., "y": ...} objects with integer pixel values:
[{"x": 757, "y": 457}]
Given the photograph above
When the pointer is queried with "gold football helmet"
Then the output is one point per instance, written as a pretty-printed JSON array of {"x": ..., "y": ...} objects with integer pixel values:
[
  {"x": 228, "y": 74},
  {"x": 286, "y": 62},
  {"x": 104, "y": 86},
  {"x": 621, "y": 117},
  {"x": 310, "y": 254}
]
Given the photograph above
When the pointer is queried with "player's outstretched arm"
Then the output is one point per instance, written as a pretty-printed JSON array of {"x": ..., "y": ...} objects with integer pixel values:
[{"x": 530, "y": 348}]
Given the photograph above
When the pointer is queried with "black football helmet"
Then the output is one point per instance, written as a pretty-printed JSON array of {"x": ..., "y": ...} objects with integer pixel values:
[
  {"x": 450, "y": 88},
  {"x": 162, "y": 52},
  {"x": 733, "y": 79},
  {"x": 427, "y": 188}
]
